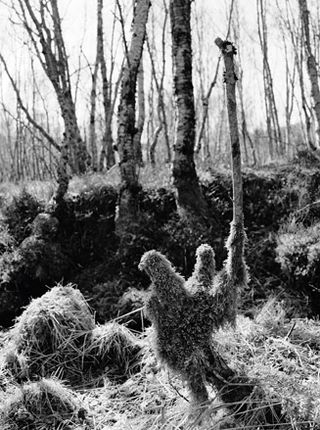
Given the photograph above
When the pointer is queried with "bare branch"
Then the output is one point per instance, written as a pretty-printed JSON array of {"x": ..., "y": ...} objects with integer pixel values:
[{"x": 25, "y": 110}]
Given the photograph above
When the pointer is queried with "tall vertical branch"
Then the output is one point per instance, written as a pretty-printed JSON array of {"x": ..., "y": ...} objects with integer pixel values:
[
  {"x": 228, "y": 51},
  {"x": 235, "y": 267}
]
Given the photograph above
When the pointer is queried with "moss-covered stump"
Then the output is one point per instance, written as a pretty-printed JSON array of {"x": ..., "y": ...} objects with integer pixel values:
[{"x": 45, "y": 404}]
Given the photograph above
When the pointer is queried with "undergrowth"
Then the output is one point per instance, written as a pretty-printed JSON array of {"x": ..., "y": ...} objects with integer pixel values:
[
  {"x": 104, "y": 266},
  {"x": 280, "y": 353}
]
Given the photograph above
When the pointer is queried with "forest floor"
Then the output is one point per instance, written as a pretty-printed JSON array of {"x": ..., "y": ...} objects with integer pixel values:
[
  {"x": 281, "y": 354},
  {"x": 275, "y": 343}
]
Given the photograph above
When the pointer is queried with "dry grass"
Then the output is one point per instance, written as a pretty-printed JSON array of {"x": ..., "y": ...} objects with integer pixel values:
[
  {"x": 115, "y": 352},
  {"x": 41, "y": 190},
  {"x": 42, "y": 405},
  {"x": 150, "y": 177},
  {"x": 282, "y": 355},
  {"x": 51, "y": 336}
]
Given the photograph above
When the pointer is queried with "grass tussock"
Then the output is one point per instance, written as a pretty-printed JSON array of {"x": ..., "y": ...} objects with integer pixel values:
[
  {"x": 51, "y": 336},
  {"x": 45, "y": 404},
  {"x": 115, "y": 349},
  {"x": 57, "y": 335}
]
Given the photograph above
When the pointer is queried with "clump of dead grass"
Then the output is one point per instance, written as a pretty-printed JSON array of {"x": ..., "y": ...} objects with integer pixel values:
[
  {"x": 57, "y": 335},
  {"x": 283, "y": 355},
  {"x": 45, "y": 404},
  {"x": 51, "y": 336},
  {"x": 115, "y": 350}
]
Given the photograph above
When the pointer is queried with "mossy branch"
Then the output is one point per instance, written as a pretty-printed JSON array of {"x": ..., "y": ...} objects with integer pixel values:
[{"x": 235, "y": 245}]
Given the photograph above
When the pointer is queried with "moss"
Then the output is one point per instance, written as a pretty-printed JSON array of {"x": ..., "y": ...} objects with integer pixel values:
[
  {"x": 19, "y": 214},
  {"x": 39, "y": 257},
  {"x": 298, "y": 252},
  {"x": 184, "y": 316}
]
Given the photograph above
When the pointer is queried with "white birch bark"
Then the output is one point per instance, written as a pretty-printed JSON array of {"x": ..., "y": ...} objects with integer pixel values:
[{"x": 128, "y": 205}]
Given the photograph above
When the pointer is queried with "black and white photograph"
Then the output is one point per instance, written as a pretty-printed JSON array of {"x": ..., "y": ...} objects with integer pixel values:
[{"x": 160, "y": 215}]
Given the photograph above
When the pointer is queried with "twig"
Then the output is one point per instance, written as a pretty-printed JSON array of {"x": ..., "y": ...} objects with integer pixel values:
[{"x": 290, "y": 331}]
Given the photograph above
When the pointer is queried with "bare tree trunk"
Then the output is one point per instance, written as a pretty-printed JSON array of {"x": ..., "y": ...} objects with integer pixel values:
[
  {"x": 62, "y": 173},
  {"x": 273, "y": 128},
  {"x": 107, "y": 152},
  {"x": 297, "y": 44},
  {"x": 159, "y": 82},
  {"x": 141, "y": 116},
  {"x": 93, "y": 95},
  {"x": 290, "y": 84},
  {"x": 312, "y": 66},
  {"x": 46, "y": 36},
  {"x": 128, "y": 200},
  {"x": 189, "y": 196}
]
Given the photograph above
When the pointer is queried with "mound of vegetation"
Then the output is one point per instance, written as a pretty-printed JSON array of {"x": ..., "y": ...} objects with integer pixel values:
[
  {"x": 115, "y": 349},
  {"x": 57, "y": 335},
  {"x": 19, "y": 213},
  {"x": 45, "y": 404},
  {"x": 51, "y": 336},
  {"x": 298, "y": 252}
]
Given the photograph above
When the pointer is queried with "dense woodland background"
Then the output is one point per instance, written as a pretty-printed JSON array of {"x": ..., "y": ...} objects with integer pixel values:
[{"x": 276, "y": 112}]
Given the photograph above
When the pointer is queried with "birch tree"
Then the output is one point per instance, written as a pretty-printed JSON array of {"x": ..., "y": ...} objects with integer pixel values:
[
  {"x": 43, "y": 26},
  {"x": 312, "y": 66},
  {"x": 159, "y": 84},
  {"x": 273, "y": 128},
  {"x": 189, "y": 196},
  {"x": 294, "y": 30},
  {"x": 128, "y": 199},
  {"x": 107, "y": 152},
  {"x": 141, "y": 115},
  {"x": 93, "y": 94}
]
